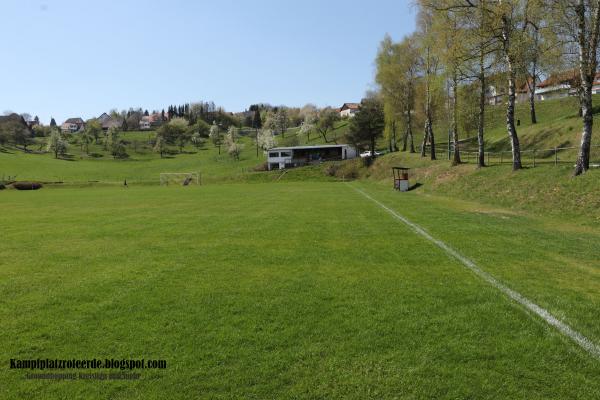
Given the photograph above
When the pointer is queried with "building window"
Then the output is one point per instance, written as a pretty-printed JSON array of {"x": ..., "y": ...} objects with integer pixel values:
[
  {"x": 286, "y": 154},
  {"x": 274, "y": 154}
]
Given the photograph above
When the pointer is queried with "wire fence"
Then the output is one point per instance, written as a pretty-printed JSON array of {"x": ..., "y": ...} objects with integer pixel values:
[{"x": 530, "y": 157}]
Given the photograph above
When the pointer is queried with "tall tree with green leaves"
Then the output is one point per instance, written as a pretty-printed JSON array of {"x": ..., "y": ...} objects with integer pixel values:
[
  {"x": 430, "y": 67},
  {"x": 94, "y": 129},
  {"x": 397, "y": 75},
  {"x": 325, "y": 122},
  {"x": 368, "y": 124}
]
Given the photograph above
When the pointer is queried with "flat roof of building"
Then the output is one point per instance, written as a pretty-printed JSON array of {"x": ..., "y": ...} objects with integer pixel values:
[{"x": 325, "y": 146}]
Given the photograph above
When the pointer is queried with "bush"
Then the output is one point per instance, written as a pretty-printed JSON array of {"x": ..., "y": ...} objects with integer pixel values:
[
  {"x": 2, "y": 187},
  {"x": 343, "y": 170},
  {"x": 27, "y": 185},
  {"x": 261, "y": 167},
  {"x": 331, "y": 169}
]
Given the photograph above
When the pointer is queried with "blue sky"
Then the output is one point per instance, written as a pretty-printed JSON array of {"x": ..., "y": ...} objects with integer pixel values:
[{"x": 81, "y": 58}]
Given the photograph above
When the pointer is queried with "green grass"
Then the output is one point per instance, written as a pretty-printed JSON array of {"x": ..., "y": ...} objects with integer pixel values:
[
  {"x": 543, "y": 190},
  {"x": 141, "y": 167},
  {"x": 293, "y": 290}
]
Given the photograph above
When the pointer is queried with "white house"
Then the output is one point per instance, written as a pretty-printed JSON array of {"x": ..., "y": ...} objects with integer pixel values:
[
  {"x": 558, "y": 85},
  {"x": 145, "y": 123},
  {"x": 297, "y": 156},
  {"x": 349, "y": 109}
]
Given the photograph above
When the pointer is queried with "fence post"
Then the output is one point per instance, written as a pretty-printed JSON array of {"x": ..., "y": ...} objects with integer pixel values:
[
  {"x": 501, "y": 157},
  {"x": 533, "y": 158},
  {"x": 555, "y": 156}
]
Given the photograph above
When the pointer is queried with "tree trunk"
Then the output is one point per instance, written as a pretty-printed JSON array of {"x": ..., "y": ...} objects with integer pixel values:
[
  {"x": 588, "y": 62},
  {"x": 394, "y": 142},
  {"x": 428, "y": 118},
  {"x": 481, "y": 119},
  {"x": 410, "y": 132},
  {"x": 510, "y": 108},
  {"x": 425, "y": 134},
  {"x": 372, "y": 147},
  {"x": 431, "y": 139},
  {"x": 583, "y": 159},
  {"x": 532, "y": 85},
  {"x": 532, "y": 105},
  {"x": 456, "y": 155},
  {"x": 510, "y": 120}
]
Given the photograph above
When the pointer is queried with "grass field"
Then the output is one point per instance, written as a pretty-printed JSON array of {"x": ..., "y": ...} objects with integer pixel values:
[{"x": 293, "y": 290}]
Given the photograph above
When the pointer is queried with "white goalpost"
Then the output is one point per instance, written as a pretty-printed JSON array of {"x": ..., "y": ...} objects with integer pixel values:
[{"x": 179, "y": 178}]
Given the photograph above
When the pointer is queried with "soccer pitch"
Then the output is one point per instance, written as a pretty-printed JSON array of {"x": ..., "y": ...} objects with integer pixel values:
[{"x": 294, "y": 290}]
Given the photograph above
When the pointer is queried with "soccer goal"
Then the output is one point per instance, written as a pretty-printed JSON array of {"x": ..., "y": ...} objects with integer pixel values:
[{"x": 179, "y": 178}]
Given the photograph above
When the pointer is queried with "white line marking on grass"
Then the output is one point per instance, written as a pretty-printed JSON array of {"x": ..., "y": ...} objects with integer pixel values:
[{"x": 589, "y": 346}]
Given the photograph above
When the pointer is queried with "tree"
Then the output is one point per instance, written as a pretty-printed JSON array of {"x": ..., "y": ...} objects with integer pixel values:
[
  {"x": 182, "y": 139},
  {"x": 256, "y": 120},
  {"x": 86, "y": 139},
  {"x": 160, "y": 145},
  {"x": 265, "y": 139},
  {"x": 511, "y": 22},
  {"x": 175, "y": 131},
  {"x": 52, "y": 123},
  {"x": 94, "y": 129},
  {"x": 281, "y": 121},
  {"x": 215, "y": 135},
  {"x": 41, "y": 130},
  {"x": 197, "y": 140},
  {"x": 367, "y": 124},
  {"x": 233, "y": 147},
  {"x": 429, "y": 64},
  {"x": 56, "y": 143},
  {"x": 577, "y": 22},
  {"x": 17, "y": 132},
  {"x": 308, "y": 113},
  {"x": 326, "y": 120},
  {"x": 114, "y": 143},
  {"x": 397, "y": 71},
  {"x": 453, "y": 54},
  {"x": 306, "y": 128}
]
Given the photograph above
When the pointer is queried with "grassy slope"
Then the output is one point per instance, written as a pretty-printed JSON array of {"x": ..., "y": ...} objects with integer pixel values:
[
  {"x": 249, "y": 293},
  {"x": 144, "y": 166}
]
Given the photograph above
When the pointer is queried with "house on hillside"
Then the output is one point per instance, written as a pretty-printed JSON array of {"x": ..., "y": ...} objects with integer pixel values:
[
  {"x": 111, "y": 122},
  {"x": 558, "y": 85},
  {"x": 145, "y": 123},
  {"x": 72, "y": 125},
  {"x": 13, "y": 118},
  {"x": 298, "y": 156},
  {"x": 151, "y": 121},
  {"x": 496, "y": 93},
  {"x": 349, "y": 109},
  {"x": 103, "y": 118}
]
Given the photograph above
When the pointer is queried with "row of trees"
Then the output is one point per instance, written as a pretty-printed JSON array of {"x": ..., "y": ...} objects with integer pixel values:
[{"x": 460, "y": 47}]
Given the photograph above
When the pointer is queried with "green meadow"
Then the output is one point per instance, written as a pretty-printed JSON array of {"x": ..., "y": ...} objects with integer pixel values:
[{"x": 293, "y": 290}]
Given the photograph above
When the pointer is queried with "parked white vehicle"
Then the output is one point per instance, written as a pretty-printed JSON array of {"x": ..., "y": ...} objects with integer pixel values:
[{"x": 365, "y": 154}]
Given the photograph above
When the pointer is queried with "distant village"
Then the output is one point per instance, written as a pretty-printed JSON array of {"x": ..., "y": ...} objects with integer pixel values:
[{"x": 146, "y": 121}]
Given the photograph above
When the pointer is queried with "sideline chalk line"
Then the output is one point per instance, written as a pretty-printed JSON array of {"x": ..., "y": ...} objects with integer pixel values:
[{"x": 585, "y": 343}]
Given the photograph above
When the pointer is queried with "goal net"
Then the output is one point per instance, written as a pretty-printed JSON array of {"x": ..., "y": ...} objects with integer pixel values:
[{"x": 179, "y": 178}]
